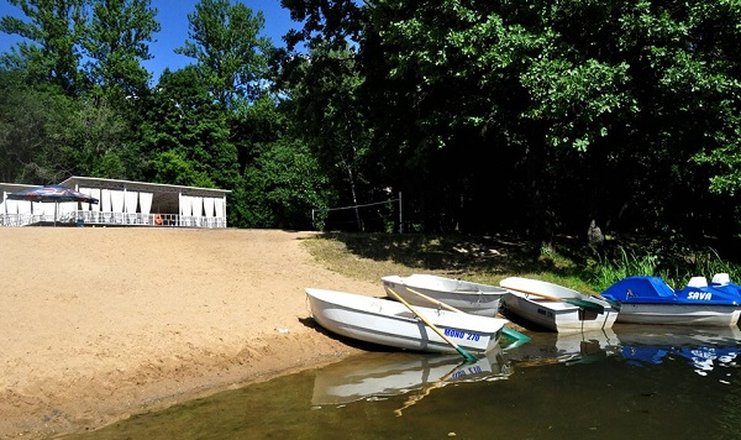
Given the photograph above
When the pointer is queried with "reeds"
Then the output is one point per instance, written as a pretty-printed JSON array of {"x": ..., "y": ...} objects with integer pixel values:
[{"x": 675, "y": 269}]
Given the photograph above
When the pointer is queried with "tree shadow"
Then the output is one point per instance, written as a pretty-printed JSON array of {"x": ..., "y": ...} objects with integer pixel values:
[
  {"x": 493, "y": 254},
  {"x": 498, "y": 254}
]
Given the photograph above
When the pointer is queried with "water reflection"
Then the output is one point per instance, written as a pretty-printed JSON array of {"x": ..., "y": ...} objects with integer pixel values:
[
  {"x": 570, "y": 349},
  {"x": 704, "y": 349},
  {"x": 373, "y": 376},
  {"x": 637, "y": 382}
]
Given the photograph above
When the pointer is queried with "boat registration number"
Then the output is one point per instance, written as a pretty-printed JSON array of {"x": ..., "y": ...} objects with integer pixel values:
[
  {"x": 466, "y": 372},
  {"x": 460, "y": 334}
]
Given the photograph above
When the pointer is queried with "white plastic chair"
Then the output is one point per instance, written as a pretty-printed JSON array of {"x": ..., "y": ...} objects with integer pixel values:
[
  {"x": 698, "y": 282},
  {"x": 721, "y": 279}
]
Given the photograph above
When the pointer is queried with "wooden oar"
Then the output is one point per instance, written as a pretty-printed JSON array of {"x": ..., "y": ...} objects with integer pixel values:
[
  {"x": 414, "y": 399},
  {"x": 466, "y": 355},
  {"x": 581, "y": 303},
  {"x": 434, "y": 301},
  {"x": 512, "y": 333}
]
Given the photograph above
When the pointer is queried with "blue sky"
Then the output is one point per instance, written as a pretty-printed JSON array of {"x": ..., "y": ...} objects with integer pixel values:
[{"x": 173, "y": 18}]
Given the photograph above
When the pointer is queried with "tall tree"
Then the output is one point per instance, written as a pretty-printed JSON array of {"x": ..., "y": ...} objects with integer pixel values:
[
  {"x": 556, "y": 97},
  {"x": 332, "y": 24},
  {"x": 329, "y": 113},
  {"x": 54, "y": 29},
  {"x": 48, "y": 136},
  {"x": 24, "y": 117},
  {"x": 230, "y": 55},
  {"x": 186, "y": 135},
  {"x": 117, "y": 42},
  {"x": 282, "y": 187}
]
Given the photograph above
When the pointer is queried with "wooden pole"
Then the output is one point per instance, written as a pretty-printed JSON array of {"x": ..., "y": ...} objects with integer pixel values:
[
  {"x": 581, "y": 303},
  {"x": 434, "y": 301},
  {"x": 512, "y": 333},
  {"x": 401, "y": 219}
]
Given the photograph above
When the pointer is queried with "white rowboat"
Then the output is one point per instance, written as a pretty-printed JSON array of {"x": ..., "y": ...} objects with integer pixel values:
[
  {"x": 390, "y": 323},
  {"x": 551, "y": 306},
  {"x": 469, "y": 297}
]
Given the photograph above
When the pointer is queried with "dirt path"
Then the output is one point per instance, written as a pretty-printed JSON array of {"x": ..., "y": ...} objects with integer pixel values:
[{"x": 101, "y": 323}]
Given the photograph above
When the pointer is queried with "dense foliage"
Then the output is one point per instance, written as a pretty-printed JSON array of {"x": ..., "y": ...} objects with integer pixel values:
[{"x": 530, "y": 117}]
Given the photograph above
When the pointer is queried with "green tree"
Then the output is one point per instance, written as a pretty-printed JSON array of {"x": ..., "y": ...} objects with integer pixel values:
[
  {"x": 616, "y": 110},
  {"x": 52, "y": 52},
  {"x": 331, "y": 24},
  {"x": 25, "y": 114},
  {"x": 185, "y": 130},
  {"x": 230, "y": 55},
  {"x": 282, "y": 187},
  {"x": 117, "y": 42},
  {"x": 48, "y": 136},
  {"x": 328, "y": 113},
  {"x": 97, "y": 141}
]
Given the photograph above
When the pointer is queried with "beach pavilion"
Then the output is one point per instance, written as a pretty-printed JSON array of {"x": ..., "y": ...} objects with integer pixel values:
[{"x": 120, "y": 203}]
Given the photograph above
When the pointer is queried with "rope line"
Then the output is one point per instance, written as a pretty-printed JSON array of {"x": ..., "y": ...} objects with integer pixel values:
[{"x": 361, "y": 206}]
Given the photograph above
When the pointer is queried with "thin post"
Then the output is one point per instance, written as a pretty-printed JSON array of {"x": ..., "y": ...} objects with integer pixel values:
[
  {"x": 313, "y": 222},
  {"x": 401, "y": 221}
]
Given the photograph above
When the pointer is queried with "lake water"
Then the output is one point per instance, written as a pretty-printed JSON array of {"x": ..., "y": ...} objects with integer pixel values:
[{"x": 631, "y": 382}]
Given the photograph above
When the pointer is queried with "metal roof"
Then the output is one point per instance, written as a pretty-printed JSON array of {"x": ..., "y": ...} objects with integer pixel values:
[
  {"x": 13, "y": 187},
  {"x": 117, "y": 184}
]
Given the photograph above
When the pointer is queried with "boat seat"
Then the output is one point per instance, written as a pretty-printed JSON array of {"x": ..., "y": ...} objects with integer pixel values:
[
  {"x": 721, "y": 279},
  {"x": 698, "y": 282}
]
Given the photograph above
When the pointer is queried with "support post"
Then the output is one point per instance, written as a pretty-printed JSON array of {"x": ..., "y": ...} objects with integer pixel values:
[{"x": 401, "y": 218}]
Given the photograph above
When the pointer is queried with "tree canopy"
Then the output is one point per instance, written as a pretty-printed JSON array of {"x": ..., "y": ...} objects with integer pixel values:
[
  {"x": 550, "y": 115},
  {"x": 230, "y": 55}
]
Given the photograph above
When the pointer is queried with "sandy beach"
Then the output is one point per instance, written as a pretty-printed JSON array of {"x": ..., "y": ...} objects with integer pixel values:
[{"x": 101, "y": 323}]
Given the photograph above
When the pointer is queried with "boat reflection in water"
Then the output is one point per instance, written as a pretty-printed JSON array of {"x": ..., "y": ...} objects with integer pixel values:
[
  {"x": 375, "y": 376},
  {"x": 705, "y": 348},
  {"x": 566, "y": 348}
]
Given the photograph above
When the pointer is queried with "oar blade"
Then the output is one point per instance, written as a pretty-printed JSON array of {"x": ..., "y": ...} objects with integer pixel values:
[
  {"x": 586, "y": 305},
  {"x": 466, "y": 355},
  {"x": 613, "y": 303},
  {"x": 518, "y": 339}
]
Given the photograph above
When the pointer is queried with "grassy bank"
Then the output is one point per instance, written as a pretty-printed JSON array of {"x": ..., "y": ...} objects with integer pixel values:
[{"x": 567, "y": 261}]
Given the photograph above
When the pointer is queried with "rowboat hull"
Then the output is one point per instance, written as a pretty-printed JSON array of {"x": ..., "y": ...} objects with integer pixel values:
[
  {"x": 475, "y": 298},
  {"x": 684, "y": 314},
  {"x": 390, "y": 323},
  {"x": 557, "y": 316}
]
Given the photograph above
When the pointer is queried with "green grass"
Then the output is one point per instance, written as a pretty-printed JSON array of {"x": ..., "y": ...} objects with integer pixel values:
[
  {"x": 607, "y": 272},
  {"x": 676, "y": 268},
  {"x": 487, "y": 259}
]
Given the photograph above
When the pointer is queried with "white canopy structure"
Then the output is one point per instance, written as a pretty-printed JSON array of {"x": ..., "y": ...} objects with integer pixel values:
[{"x": 123, "y": 203}]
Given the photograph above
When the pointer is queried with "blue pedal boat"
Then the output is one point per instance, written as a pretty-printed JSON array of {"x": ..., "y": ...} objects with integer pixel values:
[{"x": 649, "y": 300}]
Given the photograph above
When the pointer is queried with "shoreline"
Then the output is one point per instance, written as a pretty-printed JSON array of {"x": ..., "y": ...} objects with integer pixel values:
[{"x": 105, "y": 323}]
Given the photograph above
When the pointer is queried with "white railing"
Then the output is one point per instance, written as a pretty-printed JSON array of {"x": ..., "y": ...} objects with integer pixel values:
[{"x": 82, "y": 218}]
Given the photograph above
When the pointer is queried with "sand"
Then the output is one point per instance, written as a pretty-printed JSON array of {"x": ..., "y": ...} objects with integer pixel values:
[{"x": 98, "y": 324}]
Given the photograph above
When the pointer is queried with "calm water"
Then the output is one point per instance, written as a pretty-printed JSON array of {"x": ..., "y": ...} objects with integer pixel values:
[{"x": 636, "y": 382}]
